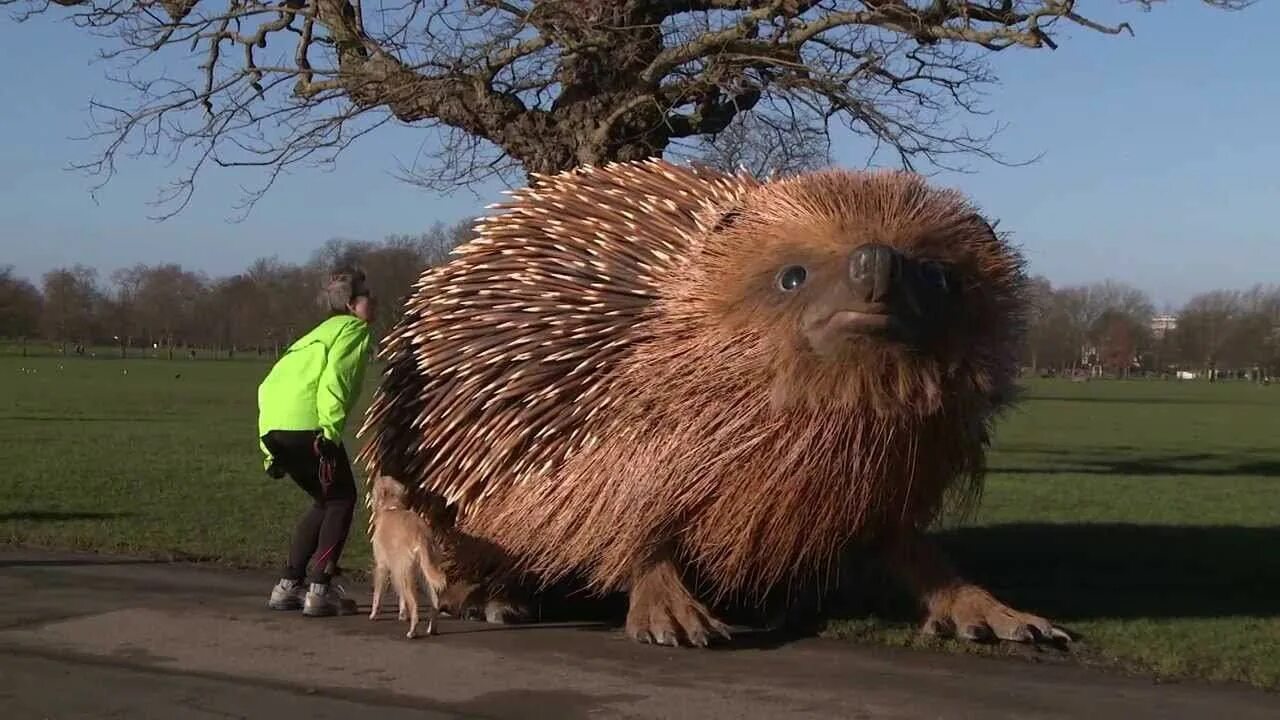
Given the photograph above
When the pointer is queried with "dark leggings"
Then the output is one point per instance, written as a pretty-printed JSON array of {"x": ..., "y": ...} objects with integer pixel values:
[{"x": 322, "y": 530}]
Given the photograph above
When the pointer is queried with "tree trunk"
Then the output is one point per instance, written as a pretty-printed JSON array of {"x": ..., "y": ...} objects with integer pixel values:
[
  {"x": 601, "y": 114},
  {"x": 575, "y": 141}
]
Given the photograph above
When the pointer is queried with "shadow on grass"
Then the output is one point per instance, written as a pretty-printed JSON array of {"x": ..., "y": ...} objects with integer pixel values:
[
  {"x": 1113, "y": 570},
  {"x": 1067, "y": 572},
  {"x": 59, "y": 516},
  {"x": 1152, "y": 400},
  {"x": 1199, "y": 464},
  {"x": 88, "y": 418}
]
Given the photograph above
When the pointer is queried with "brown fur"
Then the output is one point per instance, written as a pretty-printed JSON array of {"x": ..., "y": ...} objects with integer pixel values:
[
  {"x": 402, "y": 548},
  {"x": 605, "y": 382},
  {"x": 471, "y": 575}
]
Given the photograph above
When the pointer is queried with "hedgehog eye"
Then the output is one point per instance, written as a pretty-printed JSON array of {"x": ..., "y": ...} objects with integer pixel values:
[
  {"x": 791, "y": 278},
  {"x": 936, "y": 275}
]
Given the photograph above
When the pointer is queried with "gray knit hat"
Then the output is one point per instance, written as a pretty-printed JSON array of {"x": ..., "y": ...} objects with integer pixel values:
[{"x": 345, "y": 284}]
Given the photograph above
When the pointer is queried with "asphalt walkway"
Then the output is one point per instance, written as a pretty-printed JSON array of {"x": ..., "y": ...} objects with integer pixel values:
[{"x": 85, "y": 636}]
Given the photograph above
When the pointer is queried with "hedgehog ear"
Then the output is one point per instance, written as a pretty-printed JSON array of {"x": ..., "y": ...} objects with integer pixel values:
[{"x": 990, "y": 227}]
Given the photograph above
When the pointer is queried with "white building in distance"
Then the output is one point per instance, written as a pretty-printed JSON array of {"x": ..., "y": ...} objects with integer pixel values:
[{"x": 1163, "y": 324}]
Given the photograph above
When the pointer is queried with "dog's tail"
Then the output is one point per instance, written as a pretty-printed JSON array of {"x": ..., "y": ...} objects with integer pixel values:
[{"x": 434, "y": 576}]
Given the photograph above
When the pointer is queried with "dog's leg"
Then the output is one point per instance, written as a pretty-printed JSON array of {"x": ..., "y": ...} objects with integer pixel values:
[
  {"x": 411, "y": 601},
  {"x": 379, "y": 583},
  {"x": 433, "y": 609},
  {"x": 436, "y": 583}
]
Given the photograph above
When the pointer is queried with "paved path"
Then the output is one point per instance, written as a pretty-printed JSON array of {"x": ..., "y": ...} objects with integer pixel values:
[{"x": 95, "y": 637}]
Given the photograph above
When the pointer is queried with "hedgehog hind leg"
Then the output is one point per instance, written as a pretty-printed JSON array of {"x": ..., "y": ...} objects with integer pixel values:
[
  {"x": 958, "y": 608},
  {"x": 663, "y": 611}
]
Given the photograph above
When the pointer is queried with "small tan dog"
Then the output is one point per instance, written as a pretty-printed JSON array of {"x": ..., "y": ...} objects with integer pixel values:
[{"x": 402, "y": 548}]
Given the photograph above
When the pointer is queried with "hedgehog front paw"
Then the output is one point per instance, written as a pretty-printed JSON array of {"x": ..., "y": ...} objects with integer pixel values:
[
  {"x": 673, "y": 621},
  {"x": 663, "y": 612},
  {"x": 971, "y": 613}
]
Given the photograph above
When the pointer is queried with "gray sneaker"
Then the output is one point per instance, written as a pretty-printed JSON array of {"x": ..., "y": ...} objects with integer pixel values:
[
  {"x": 286, "y": 595},
  {"x": 324, "y": 601}
]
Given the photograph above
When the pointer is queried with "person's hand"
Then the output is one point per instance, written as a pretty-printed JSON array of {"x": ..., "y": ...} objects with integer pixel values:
[
  {"x": 327, "y": 451},
  {"x": 325, "y": 448}
]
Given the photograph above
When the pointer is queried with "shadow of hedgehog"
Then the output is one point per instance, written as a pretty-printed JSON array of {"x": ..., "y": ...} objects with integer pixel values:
[{"x": 643, "y": 371}]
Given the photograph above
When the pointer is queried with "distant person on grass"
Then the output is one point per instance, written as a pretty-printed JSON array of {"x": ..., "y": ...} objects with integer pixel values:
[{"x": 303, "y": 406}]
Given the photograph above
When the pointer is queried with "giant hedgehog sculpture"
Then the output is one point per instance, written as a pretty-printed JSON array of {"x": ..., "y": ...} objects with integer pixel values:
[{"x": 645, "y": 368}]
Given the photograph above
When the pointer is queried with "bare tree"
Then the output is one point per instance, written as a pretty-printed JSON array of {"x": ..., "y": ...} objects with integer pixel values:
[
  {"x": 124, "y": 321},
  {"x": 283, "y": 301},
  {"x": 755, "y": 143},
  {"x": 435, "y": 245},
  {"x": 394, "y": 265},
  {"x": 71, "y": 303},
  {"x": 545, "y": 85},
  {"x": 1113, "y": 317},
  {"x": 1119, "y": 338},
  {"x": 1230, "y": 328},
  {"x": 1113, "y": 296},
  {"x": 232, "y": 313},
  {"x": 166, "y": 302},
  {"x": 20, "y": 307},
  {"x": 1203, "y": 326}
]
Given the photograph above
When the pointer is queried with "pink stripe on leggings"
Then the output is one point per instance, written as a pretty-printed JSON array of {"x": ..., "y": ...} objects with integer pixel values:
[{"x": 320, "y": 560}]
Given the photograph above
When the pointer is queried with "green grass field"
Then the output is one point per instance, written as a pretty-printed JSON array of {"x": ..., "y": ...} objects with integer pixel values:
[{"x": 1144, "y": 516}]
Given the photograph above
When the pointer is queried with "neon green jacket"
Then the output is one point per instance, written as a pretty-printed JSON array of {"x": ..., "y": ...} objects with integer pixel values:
[{"x": 314, "y": 385}]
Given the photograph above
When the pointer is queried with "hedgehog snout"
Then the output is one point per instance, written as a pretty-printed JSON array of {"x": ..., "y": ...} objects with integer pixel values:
[{"x": 873, "y": 270}]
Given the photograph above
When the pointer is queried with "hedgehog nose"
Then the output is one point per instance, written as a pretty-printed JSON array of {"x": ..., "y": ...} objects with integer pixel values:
[{"x": 872, "y": 270}]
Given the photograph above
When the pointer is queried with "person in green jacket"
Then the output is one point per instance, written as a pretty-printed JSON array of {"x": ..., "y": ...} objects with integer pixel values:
[{"x": 303, "y": 407}]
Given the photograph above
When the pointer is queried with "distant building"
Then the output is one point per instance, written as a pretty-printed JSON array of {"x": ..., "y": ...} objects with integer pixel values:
[{"x": 1163, "y": 324}]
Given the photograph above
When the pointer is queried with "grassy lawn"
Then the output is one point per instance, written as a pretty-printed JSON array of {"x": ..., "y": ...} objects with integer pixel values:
[{"x": 1142, "y": 515}]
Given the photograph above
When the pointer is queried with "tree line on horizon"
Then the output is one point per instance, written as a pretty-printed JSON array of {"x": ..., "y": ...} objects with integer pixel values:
[{"x": 164, "y": 309}]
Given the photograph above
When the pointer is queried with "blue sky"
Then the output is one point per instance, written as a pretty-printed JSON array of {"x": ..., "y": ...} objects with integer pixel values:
[{"x": 1161, "y": 163}]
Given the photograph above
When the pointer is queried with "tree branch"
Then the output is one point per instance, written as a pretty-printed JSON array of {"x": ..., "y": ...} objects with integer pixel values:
[{"x": 497, "y": 85}]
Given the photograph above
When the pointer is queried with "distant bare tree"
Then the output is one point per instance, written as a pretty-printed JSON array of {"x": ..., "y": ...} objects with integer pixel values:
[
  {"x": 1231, "y": 328},
  {"x": 20, "y": 306},
  {"x": 435, "y": 245},
  {"x": 284, "y": 301},
  {"x": 1118, "y": 337},
  {"x": 165, "y": 300},
  {"x": 1113, "y": 296},
  {"x": 1113, "y": 316},
  {"x": 545, "y": 85},
  {"x": 125, "y": 325},
  {"x": 394, "y": 265},
  {"x": 1203, "y": 326},
  {"x": 71, "y": 302},
  {"x": 233, "y": 312},
  {"x": 1048, "y": 339}
]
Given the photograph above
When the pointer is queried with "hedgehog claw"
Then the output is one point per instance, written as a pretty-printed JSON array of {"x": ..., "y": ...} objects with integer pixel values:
[
  {"x": 664, "y": 613},
  {"x": 973, "y": 614},
  {"x": 667, "y": 637}
]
